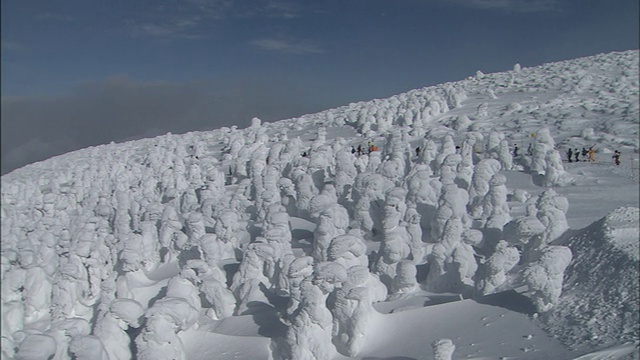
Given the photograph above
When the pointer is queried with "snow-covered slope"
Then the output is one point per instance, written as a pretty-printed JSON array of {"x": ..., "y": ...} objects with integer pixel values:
[
  {"x": 284, "y": 241},
  {"x": 600, "y": 300}
]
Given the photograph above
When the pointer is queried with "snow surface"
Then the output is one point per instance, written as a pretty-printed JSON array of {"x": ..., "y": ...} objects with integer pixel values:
[{"x": 441, "y": 244}]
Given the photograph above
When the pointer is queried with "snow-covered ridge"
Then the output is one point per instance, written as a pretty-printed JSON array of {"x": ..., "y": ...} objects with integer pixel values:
[
  {"x": 599, "y": 85},
  {"x": 148, "y": 248}
]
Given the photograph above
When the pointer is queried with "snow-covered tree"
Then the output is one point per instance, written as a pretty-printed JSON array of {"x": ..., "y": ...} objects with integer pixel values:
[
  {"x": 493, "y": 273},
  {"x": 544, "y": 276},
  {"x": 495, "y": 209}
]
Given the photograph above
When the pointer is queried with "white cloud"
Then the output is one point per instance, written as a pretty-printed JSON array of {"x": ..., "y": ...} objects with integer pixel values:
[
  {"x": 183, "y": 27},
  {"x": 288, "y": 46}
]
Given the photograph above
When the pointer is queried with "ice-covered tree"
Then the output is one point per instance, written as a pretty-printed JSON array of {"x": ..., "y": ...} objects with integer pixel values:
[
  {"x": 493, "y": 272},
  {"x": 495, "y": 209},
  {"x": 482, "y": 174},
  {"x": 544, "y": 276},
  {"x": 310, "y": 333},
  {"x": 405, "y": 281},
  {"x": 504, "y": 155},
  {"x": 253, "y": 275},
  {"x": 392, "y": 251},
  {"x": 348, "y": 250},
  {"x": 352, "y": 311}
]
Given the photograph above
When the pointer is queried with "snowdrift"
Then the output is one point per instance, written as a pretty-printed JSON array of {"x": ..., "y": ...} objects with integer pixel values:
[{"x": 601, "y": 294}]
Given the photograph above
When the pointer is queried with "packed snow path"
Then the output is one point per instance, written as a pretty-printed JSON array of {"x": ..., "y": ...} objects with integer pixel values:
[{"x": 293, "y": 240}]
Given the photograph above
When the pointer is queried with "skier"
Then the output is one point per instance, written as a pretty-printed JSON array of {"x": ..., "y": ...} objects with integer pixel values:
[
  {"x": 515, "y": 150},
  {"x": 584, "y": 154},
  {"x": 592, "y": 154},
  {"x": 616, "y": 157},
  {"x": 530, "y": 149},
  {"x": 353, "y": 150},
  {"x": 569, "y": 153},
  {"x": 576, "y": 154}
]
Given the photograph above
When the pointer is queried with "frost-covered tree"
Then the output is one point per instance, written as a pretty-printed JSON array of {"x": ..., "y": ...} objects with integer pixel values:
[
  {"x": 149, "y": 241},
  {"x": 492, "y": 147},
  {"x": 419, "y": 187},
  {"x": 554, "y": 173},
  {"x": 392, "y": 251},
  {"x": 521, "y": 230},
  {"x": 112, "y": 325},
  {"x": 493, "y": 273},
  {"x": 297, "y": 271},
  {"x": 369, "y": 194},
  {"x": 463, "y": 262},
  {"x": 217, "y": 299},
  {"x": 451, "y": 204},
  {"x": 447, "y": 147},
  {"x": 346, "y": 173},
  {"x": 352, "y": 311},
  {"x": 544, "y": 276},
  {"x": 87, "y": 347},
  {"x": 394, "y": 209},
  {"x": 310, "y": 333},
  {"x": 305, "y": 191},
  {"x": 414, "y": 232},
  {"x": 552, "y": 209},
  {"x": 195, "y": 226},
  {"x": 461, "y": 123},
  {"x": 429, "y": 151},
  {"x": 482, "y": 174},
  {"x": 253, "y": 275},
  {"x": 504, "y": 155},
  {"x": 465, "y": 168},
  {"x": 405, "y": 281},
  {"x": 482, "y": 111},
  {"x": 495, "y": 209},
  {"x": 37, "y": 288},
  {"x": 348, "y": 250},
  {"x": 158, "y": 338}
]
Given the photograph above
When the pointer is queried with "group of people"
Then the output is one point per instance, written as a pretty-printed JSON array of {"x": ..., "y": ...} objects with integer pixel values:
[
  {"x": 360, "y": 150},
  {"x": 587, "y": 155}
]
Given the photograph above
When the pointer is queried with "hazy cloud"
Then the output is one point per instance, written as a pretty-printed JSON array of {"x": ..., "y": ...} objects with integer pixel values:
[
  {"x": 516, "y": 6},
  {"x": 177, "y": 27},
  {"x": 11, "y": 46},
  {"x": 288, "y": 46},
  {"x": 189, "y": 18},
  {"x": 55, "y": 17},
  {"x": 119, "y": 109},
  {"x": 282, "y": 9}
]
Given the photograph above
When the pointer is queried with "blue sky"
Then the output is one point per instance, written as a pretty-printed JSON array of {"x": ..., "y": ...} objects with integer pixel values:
[{"x": 77, "y": 73}]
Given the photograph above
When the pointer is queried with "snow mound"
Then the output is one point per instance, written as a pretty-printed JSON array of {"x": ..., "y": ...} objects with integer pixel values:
[
  {"x": 600, "y": 300},
  {"x": 621, "y": 226}
]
